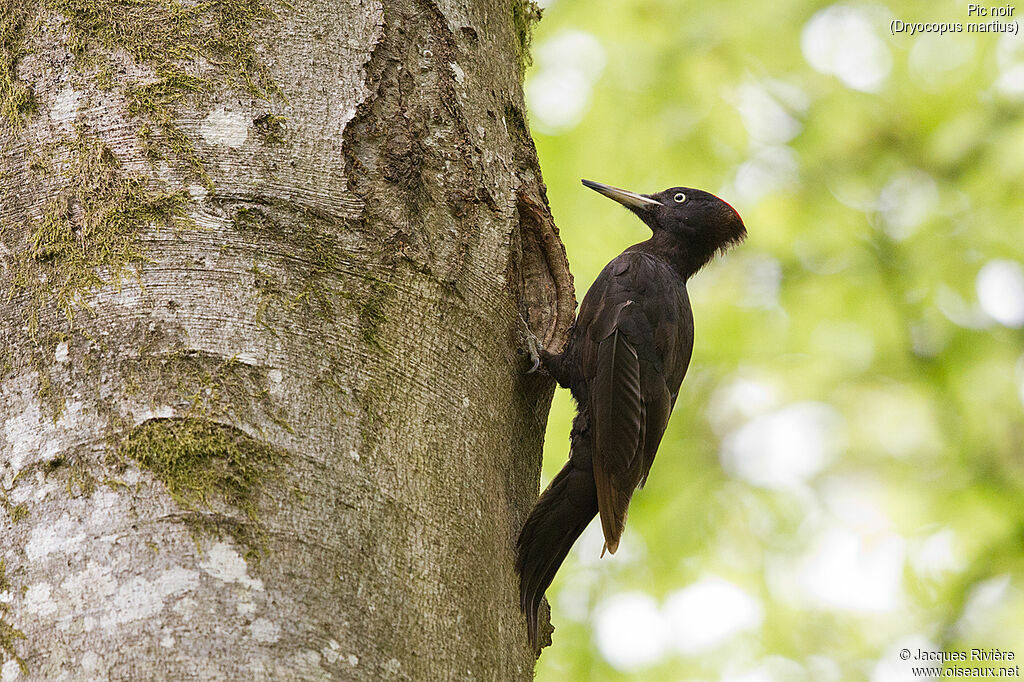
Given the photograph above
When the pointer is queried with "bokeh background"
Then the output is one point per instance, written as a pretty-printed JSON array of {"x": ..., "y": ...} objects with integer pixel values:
[{"x": 843, "y": 475}]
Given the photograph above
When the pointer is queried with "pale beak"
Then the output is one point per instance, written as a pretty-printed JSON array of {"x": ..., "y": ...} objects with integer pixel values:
[{"x": 628, "y": 199}]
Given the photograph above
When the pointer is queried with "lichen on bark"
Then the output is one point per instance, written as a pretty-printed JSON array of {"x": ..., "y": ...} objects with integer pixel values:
[{"x": 9, "y": 635}]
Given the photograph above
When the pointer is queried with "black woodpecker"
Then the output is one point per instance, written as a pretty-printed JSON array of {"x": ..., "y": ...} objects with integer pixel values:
[{"x": 626, "y": 357}]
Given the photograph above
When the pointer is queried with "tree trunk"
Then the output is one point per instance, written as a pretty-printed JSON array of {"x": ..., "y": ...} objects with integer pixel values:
[{"x": 263, "y": 271}]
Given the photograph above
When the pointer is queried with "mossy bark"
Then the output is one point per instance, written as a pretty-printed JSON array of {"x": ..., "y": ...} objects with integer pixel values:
[{"x": 263, "y": 267}]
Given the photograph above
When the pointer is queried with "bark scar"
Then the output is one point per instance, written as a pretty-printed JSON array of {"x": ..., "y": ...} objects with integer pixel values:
[{"x": 546, "y": 284}]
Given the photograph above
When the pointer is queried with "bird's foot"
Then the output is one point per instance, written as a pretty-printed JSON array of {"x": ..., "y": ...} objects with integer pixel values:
[
  {"x": 532, "y": 354},
  {"x": 530, "y": 348}
]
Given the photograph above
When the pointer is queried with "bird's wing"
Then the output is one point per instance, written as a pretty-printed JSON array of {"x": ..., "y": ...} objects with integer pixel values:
[
  {"x": 628, "y": 397},
  {"x": 658, "y": 404},
  {"x": 618, "y": 422}
]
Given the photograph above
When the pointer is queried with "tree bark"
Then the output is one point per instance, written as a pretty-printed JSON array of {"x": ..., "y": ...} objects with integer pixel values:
[{"x": 263, "y": 272}]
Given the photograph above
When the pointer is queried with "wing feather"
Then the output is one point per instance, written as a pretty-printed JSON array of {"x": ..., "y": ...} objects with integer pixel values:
[
  {"x": 630, "y": 389},
  {"x": 619, "y": 423}
]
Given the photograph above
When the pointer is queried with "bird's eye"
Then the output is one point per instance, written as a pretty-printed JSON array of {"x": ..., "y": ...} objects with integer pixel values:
[{"x": 679, "y": 197}]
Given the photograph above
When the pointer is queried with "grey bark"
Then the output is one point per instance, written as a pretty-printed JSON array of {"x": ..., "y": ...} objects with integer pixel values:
[{"x": 263, "y": 271}]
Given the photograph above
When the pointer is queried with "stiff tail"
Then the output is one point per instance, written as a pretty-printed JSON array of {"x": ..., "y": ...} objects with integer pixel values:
[{"x": 558, "y": 518}]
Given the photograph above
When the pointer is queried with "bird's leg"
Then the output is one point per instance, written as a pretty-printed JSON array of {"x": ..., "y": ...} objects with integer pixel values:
[
  {"x": 533, "y": 352},
  {"x": 541, "y": 360},
  {"x": 531, "y": 347}
]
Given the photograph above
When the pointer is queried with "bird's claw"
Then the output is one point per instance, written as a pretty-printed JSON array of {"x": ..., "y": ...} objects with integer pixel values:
[
  {"x": 531, "y": 350},
  {"x": 532, "y": 346}
]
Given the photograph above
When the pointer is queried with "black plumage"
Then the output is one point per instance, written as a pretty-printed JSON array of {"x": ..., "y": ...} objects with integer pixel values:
[{"x": 625, "y": 360}]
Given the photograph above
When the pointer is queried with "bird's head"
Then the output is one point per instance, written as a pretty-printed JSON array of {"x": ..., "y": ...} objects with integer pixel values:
[{"x": 700, "y": 221}]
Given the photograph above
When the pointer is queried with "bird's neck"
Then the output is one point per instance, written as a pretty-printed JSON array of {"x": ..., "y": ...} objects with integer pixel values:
[{"x": 683, "y": 257}]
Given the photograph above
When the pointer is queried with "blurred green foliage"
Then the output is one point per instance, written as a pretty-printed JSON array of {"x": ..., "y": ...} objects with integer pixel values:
[{"x": 846, "y": 455}]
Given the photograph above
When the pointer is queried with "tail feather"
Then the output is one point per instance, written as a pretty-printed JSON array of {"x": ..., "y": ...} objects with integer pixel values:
[{"x": 556, "y": 521}]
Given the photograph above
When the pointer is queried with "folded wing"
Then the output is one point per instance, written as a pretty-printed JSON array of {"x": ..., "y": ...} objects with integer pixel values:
[
  {"x": 628, "y": 396},
  {"x": 619, "y": 425}
]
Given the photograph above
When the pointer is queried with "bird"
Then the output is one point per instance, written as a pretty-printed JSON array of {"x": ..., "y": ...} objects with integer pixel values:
[{"x": 625, "y": 359}]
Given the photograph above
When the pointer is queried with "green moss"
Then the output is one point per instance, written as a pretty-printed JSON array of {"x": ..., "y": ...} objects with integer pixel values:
[
  {"x": 170, "y": 37},
  {"x": 372, "y": 316},
  {"x": 165, "y": 33},
  {"x": 206, "y": 386},
  {"x": 268, "y": 291},
  {"x": 37, "y": 165},
  {"x": 88, "y": 234},
  {"x": 270, "y": 128},
  {"x": 307, "y": 287},
  {"x": 525, "y": 13},
  {"x": 104, "y": 78},
  {"x": 515, "y": 123},
  {"x": 17, "y": 100},
  {"x": 202, "y": 462},
  {"x": 49, "y": 394},
  {"x": 321, "y": 257},
  {"x": 252, "y": 220},
  {"x": 154, "y": 102},
  {"x": 80, "y": 479},
  {"x": 16, "y": 512},
  {"x": 116, "y": 484},
  {"x": 9, "y": 634}
]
